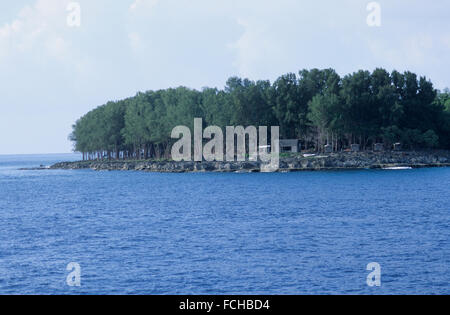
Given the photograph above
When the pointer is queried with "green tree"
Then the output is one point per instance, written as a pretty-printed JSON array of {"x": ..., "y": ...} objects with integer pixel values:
[{"x": 324, "y": 114}]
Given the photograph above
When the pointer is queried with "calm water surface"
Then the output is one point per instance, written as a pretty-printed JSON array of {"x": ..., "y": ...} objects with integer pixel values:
[{"x": 297, "y": 233}]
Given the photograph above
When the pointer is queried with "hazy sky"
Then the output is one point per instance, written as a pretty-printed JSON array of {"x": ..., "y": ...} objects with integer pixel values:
[{"x": 51, "y": 73}]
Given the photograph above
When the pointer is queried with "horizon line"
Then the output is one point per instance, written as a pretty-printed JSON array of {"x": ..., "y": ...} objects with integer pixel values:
[{"x": 54, "y": 153}]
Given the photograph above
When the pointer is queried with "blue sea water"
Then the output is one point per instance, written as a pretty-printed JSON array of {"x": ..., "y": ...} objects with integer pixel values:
[{"x": 295, "y": 233}]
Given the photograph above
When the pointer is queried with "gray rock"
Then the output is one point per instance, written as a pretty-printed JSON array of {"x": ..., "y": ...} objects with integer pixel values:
[{"x": 352, "y": 160}]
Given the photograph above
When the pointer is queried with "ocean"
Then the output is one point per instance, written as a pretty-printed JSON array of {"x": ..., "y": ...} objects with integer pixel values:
[{"x": 213, "y": 233}]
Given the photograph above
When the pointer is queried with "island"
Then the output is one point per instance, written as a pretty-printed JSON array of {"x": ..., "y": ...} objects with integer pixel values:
[{"x": 365, "y": 119}]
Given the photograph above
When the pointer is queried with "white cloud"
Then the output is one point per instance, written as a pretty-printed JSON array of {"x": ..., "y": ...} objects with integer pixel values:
[
  {"x": 411, "y": 52},
  {"x": 255, "y": 48},
  {"x": 446, "y": 41},
  {"x": 143, "y": 4},
  {"x": 135, "y": 41},
  {"x": 57, "y": 47},
  {"x": 37, "y": 28}
]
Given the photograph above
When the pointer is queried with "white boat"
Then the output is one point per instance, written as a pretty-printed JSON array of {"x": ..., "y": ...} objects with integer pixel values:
[{"x": 398, "y": 168}]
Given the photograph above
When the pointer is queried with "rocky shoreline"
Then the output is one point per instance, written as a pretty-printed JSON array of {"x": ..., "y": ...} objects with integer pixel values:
[{"x": 291, "y": 163}]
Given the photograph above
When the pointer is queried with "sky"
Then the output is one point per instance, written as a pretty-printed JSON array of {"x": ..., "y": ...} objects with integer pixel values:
[{"x": 53, "y": 69}]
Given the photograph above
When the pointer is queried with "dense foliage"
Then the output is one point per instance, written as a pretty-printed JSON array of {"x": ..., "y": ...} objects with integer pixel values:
[{"x": 317, "y": 106}]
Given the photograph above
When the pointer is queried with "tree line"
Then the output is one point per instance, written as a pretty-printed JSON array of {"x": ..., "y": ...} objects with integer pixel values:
[{"x": 316, "y": 106}]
